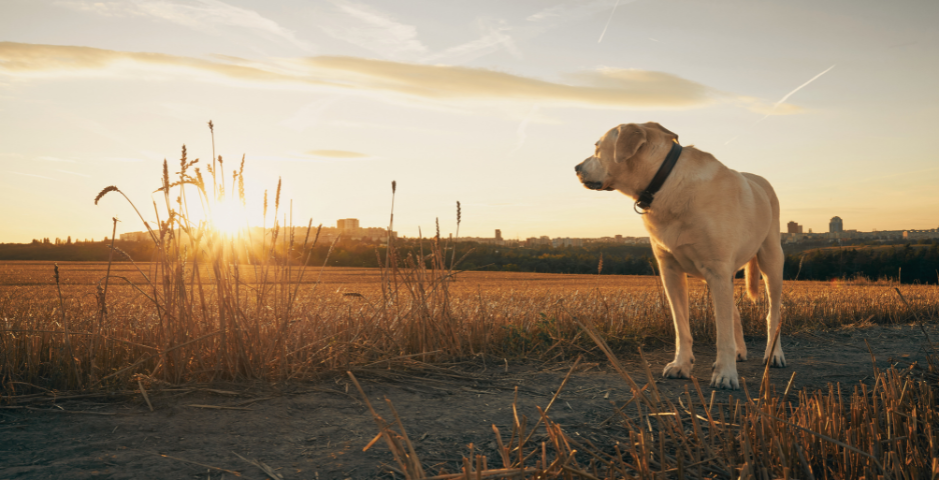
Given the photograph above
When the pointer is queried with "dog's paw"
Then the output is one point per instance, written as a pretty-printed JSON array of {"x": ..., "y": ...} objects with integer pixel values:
[
  {"x": 742, "y": 355},
  {"x": 725, "y": 377},
  {"x": 678, "y": 370},
  {"x": 776, "y": 360}
]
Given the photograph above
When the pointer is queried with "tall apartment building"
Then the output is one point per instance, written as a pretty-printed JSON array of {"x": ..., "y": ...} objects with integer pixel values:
[
  {"x": 348, "y": 226},
  {"x": 793, "y": 227},
  {"x": 835, "y": 225}
]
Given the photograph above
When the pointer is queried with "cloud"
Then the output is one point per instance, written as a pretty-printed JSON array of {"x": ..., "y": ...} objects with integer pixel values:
[
  {"x": 604, "y": 87},
  {"x": 337, "y": 154},
  {"x": 316, "y": 156},
  {"x": 375, "y": 31},
  {"x": 56, "y": 159},
  {"x": 108, "y": 9},
  {"x": 37, "y": 59},
  {"x": 123, "y": 159},
  {"x": 607, "y": 87},
  {"x": 74, "y": 173},
  {"x": 202, "y": 15},
  {"x": 570, "y": 10},
  {"x": 494, "y": 37},
  {"x": 34, "y": 175}
]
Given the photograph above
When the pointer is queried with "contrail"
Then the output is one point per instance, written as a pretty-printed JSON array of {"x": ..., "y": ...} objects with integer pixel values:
[
  {"x": 608, "y": 21},
  {"x": 784, "y": 98}
]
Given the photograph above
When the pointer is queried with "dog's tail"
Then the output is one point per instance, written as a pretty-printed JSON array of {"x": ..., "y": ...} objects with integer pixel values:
[{"x": 753, "y": 280}]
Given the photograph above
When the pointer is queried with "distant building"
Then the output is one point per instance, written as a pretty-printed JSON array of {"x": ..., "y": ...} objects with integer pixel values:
[
  {"x": 793, "y": 227},
  {"x": 348, "y": 226},
  {"x": 835, "y": 225},
  {"x": 497, "y": 240},
  {"x": 920, "y": 234},
  {"x": 135, "y": 237}
]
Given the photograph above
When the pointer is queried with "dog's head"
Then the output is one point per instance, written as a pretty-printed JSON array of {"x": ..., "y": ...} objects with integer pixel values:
[{"x": 623, "y": 155}]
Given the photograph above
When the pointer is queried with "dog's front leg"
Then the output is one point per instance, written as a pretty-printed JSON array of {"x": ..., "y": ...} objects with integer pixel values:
[
  {"x": 724, "y": 373},
  {"x": 676, "y": 287}
]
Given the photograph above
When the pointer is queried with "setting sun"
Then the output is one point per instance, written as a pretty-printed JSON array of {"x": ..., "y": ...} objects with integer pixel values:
[{"x": 229, "y": 217}]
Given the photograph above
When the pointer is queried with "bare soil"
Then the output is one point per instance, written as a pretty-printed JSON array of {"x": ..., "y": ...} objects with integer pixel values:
[{"x": 318, "y": 429}]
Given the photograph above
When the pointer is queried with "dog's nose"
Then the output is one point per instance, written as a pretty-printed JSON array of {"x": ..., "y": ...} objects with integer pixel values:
[{"x": 577, "y": 168}]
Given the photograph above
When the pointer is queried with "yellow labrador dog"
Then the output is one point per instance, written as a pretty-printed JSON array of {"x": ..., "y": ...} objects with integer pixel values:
[{"x": 704, "y": 220}]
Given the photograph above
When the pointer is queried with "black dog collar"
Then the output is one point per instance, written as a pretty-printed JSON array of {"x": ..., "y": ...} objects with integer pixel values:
[{"x": 647, "y": 195}]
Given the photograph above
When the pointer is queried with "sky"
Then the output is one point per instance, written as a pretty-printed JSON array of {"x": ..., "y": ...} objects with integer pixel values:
[{"x": 488, "y": 103}]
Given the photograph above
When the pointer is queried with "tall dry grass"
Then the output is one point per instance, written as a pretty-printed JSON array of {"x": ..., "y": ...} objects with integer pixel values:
[{"x": 887, "y": 431}]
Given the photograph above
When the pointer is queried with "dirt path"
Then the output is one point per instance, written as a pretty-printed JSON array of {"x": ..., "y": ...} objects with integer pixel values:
[{"x": 318, "y": 430}]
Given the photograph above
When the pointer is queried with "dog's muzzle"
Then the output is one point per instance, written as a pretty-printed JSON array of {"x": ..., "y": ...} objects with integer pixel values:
[{"x": 590, "y": 185}]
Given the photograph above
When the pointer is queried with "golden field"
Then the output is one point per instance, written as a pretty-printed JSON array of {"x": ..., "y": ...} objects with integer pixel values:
[
  {"x": 300, "y": 322},
  {"x": 205, "y": 323}
]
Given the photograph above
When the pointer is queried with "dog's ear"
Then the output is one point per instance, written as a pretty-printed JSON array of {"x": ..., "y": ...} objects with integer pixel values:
[
  {"x": 629, "y": 138},
  {"x": 668, "y": 133}
]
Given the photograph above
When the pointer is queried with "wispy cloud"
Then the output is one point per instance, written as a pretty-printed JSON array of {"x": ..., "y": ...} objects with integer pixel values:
[
  {"x": 317, "y": 156},
  {"x": 56, "y": 159},
  {"x": 604, "y": 87},
  {"x": 337, "y": 154},
  {"x": 376, "y": 31},
  {"x": 566, "y": 11},
  {"x": 203, "y": 15},
  {"x": 381, "y": 33},
  {"x": 74, "y": 173},
  {"x": 34, "y": 175},
  {"x": 494, "y": 36},
  {"x": 124, "y": 159}
]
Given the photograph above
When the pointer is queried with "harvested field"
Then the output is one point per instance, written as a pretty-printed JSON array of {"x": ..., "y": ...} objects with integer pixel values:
[{"x": 447, "y": 352}]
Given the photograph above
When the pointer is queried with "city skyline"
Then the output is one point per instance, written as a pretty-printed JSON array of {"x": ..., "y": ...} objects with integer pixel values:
[
  {"x": 343, "y": 225},
  {"x": 487, "y": 103}
]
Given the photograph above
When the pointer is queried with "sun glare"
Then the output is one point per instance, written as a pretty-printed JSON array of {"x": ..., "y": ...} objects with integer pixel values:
[{"x": 229, "y": 217}]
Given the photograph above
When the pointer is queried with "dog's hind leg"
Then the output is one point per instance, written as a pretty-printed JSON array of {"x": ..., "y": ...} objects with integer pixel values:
[
  {"x": 738, "y": 337},
  {"x": 770, "y": 258},
  {"x": 676, "y": 287}
]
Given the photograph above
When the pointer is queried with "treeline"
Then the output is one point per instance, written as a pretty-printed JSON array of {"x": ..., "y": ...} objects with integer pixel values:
[
  {"x": 90, "y": 251},
  {"x": 617, "y": 259},
  {"x": 906, "y": 263}
]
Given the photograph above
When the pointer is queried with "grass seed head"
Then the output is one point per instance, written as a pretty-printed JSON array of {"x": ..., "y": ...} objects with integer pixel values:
[
  {"x": 277, "y": 197},
  {"x": 105, "y": 191}
]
